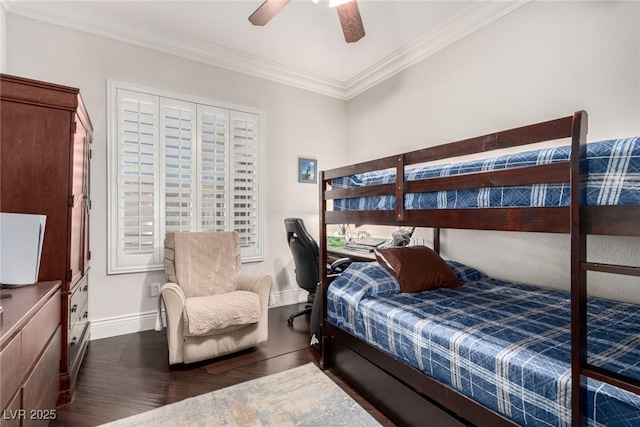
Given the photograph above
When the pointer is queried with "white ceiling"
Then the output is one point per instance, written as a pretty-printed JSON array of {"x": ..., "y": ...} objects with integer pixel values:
[{"x": 303, "y": 45}]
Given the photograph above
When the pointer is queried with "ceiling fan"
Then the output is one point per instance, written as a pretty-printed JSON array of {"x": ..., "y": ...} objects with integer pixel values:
[{"x": 348, "y": 12}]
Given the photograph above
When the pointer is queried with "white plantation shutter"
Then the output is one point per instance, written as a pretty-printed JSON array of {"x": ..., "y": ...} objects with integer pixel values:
[
  {"x": 244, "y": 161},
  {"x": 179, "y": 164},
  {"x": 214, "y": 158},
  {"x": 137, "y": 189}
]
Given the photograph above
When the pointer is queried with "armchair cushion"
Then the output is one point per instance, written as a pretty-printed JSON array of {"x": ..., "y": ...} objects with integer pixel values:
[
  {"x": 208, "y": 313},
  {"x": 206, "y": 263}
]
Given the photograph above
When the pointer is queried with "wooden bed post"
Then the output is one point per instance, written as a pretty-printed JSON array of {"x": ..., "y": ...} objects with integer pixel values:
[
  {"x": 400, "y": 187},
  {"x": 578, "y": 274},
  {"x": 436, "y": 240},
  {"x": 324, "y": 337}
]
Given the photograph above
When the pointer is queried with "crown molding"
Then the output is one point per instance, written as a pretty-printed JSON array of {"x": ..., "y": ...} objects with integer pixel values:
[
  {"x": 6, "y": 4},
  {"x": 93, "y": 21}
]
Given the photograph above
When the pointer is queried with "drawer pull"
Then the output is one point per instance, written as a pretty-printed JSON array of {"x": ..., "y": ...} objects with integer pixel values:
[
  {"x": 74, "y": 308},
  {"x": 85, "y": 315},
  {"x": 73, "y": 341},
  {"x": 86, "y": 288}
]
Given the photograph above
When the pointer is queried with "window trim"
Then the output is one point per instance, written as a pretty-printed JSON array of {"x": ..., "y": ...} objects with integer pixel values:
[{"x": 113, "y": 152}]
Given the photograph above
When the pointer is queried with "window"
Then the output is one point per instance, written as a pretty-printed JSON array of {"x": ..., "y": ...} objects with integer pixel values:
[{"x": 177, "y": 163}]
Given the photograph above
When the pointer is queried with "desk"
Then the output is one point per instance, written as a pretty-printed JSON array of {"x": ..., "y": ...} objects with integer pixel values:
[{"x": 335, "y": 252}]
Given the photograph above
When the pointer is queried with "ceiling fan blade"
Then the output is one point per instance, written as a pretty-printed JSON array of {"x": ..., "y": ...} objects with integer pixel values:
[
  {"x": 351, "y": 21},
  {"x": 266, "y": 11}
]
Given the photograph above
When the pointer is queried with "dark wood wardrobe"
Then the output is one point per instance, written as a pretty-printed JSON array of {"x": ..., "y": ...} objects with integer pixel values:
[{"x": 45, "y": 154}]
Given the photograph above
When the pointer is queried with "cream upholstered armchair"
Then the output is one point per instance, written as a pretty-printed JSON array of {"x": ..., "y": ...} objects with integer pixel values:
[{"x": 211, "y": 309}]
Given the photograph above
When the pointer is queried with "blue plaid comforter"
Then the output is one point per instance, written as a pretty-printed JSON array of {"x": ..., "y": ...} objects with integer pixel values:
[
  {"x": 505, "y": 345},
  {"x": 614, "y": 179}
]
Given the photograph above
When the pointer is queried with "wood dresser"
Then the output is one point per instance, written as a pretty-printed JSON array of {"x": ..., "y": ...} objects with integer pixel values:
[
  {"x": 30, "y": 349},
  {"x": 45, "y": 152}
]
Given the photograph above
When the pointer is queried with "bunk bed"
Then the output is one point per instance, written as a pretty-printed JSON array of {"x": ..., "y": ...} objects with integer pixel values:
[{"x": 416, "y": 379}]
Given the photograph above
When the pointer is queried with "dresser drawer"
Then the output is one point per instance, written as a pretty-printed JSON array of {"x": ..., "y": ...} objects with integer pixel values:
[
  {"x": 78, "y": 301},
  {"x": 78, "y": 321},
  {"x": 12, "y": 414},
  {"x": 78, "y": 318},
  {"x": 76, "y": 335},
  {"x": 10, "y": 369},
  {"x": 37, "y": 332},
  {"x": 83, "y": 314},
  {"x": 40, "y": 391}
]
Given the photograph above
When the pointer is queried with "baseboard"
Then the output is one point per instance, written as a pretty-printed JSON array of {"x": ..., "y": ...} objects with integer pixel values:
[
  {"x": 122, "y": 325},
  {"x": 132, "y": 323},
  {"x": 290, "y": 297}
]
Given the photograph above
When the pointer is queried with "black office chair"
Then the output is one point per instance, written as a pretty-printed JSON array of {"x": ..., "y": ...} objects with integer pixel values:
[{"x": 305, "y": 253}]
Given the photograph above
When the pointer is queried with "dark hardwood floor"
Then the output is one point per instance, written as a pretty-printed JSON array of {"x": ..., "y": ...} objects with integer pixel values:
[{"x": 130, "y": 374}]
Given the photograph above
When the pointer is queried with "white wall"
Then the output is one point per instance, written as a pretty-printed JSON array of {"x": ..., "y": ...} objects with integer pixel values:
[
  {"x": 545, "y": 60},
  {"x": 3, "y": 39},
  {"x": 297, "y": 123}
]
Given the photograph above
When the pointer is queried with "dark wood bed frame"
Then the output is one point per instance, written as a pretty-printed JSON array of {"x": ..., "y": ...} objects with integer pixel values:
[{"x": 405, "y": 394}]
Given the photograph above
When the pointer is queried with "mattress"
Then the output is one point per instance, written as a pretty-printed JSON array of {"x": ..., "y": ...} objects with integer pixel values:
[
  {"x": 613, "y": 179},
  {"x": 505, "y": 345}
]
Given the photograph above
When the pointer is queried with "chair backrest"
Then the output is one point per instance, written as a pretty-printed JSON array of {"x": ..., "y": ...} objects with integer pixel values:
[
  {"x": 304, "y": 249},
  {"x": 202, "y": 263}
]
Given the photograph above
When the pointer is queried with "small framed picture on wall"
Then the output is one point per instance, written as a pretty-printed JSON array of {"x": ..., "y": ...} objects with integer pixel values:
[{"x": 307, "y": 170}]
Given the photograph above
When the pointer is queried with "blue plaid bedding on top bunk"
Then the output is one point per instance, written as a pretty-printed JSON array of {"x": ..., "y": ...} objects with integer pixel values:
[
  {"x": 614, "y": 179},
  {"x": 505, "y": 345}
]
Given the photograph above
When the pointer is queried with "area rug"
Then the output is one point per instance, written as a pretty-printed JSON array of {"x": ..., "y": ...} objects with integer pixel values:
[{"x": 302, "y": 396}]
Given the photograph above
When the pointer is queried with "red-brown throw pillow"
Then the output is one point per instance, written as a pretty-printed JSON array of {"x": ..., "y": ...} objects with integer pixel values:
[{"x": 417, "y": 268}]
